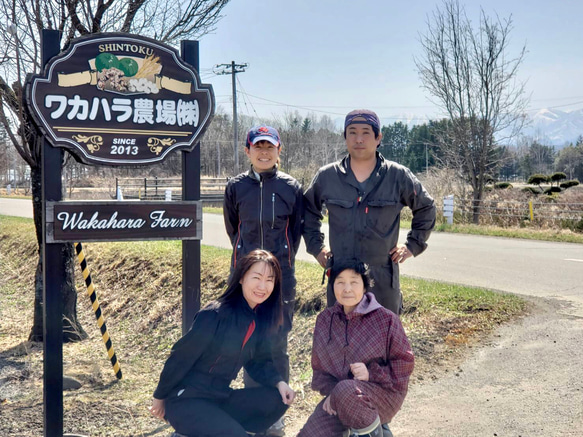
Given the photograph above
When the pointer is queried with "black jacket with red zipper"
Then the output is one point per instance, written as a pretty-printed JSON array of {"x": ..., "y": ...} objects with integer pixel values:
[
  {"x": 264, "y": 213},
  {"x": 224, "y": 338}
]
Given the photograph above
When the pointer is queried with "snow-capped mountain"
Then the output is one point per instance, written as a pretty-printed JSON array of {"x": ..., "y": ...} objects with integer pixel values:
[{"x": 555, "y": 127}]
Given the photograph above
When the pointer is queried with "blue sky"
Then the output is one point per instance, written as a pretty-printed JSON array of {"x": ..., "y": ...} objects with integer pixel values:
[{"x": 331, "y": 56}]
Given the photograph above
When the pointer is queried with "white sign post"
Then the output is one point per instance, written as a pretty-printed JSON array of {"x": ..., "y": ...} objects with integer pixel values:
[{"x": 448, "y": 208}]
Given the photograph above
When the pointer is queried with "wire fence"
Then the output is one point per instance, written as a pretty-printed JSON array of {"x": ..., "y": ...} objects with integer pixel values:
[{"x": 508, "y": 213}]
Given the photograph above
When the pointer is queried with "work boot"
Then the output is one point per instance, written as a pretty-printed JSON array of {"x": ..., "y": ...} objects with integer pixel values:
[
  {"x": 386, "y": 431},
  {"x": 374, "y": 430},
  {"x": 277, "y": 429}
]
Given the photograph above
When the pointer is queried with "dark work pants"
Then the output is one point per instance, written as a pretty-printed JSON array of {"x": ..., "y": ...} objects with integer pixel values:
[{"x": 249, "y": 409}]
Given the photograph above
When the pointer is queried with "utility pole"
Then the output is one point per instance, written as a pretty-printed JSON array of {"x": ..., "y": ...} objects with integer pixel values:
[
  {"x": 426, "y": 159},
  {"x": 233, "y": 69}
]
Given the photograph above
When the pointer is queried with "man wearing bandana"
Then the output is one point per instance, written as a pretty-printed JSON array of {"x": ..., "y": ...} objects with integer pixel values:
[{"x": 364, "y": 194}]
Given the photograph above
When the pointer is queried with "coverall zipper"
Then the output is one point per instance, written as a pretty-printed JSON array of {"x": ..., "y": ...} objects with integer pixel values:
[
  {"x": 272, "y": 210},
  {"x": 261, "y": 212}
]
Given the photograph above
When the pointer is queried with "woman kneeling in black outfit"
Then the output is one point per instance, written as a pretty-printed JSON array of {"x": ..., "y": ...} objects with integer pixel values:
[{"x": 194, "y": 392}]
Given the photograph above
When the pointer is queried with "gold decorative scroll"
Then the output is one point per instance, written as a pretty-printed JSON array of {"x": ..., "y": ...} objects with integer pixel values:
[
  {"x": 76, "y": 79},
  {"x": 93, "y": 143},
  {"x": 156, "y": 144},
  {"x": 90, "y": 77},
  {"x": 173, "y": 85}
]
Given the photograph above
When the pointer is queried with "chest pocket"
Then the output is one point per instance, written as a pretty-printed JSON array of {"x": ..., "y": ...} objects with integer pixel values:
[
  {"x": 339, "y": 214},
  {"x": 279, "y": 209},
  {"x": 382, "y": 215}
]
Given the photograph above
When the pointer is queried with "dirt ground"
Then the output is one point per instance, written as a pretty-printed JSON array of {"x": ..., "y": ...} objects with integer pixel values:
[{"x": 524, "y": 380}]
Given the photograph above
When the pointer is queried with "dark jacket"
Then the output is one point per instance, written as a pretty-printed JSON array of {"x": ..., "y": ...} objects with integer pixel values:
[
  {"x": 264, "y": 213},
  {"x": 223, "y": 338},
  {"x": 364, "y": 223},
  {"x": 372, "y": 335}
]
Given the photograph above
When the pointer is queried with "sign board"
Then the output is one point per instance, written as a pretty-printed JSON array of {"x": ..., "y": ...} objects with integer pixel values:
[
  {"x": 123, "y": 221},
  {"x": 120, "y": 99}
]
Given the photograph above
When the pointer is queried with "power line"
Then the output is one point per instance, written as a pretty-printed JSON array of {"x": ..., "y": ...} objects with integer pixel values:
[
  {"x": 245, "y": 100},
  {"x": 415, "y": 118},
  {"x": 311, "y": 108},
  {"x": 290, "y": 105},
  {"x": 232, "y": 69}
]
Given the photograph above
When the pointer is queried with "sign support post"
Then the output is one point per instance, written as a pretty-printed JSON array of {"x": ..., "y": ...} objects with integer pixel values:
[
  {"x": 53, "y": 275},
  {"x": 114, "y": 99},
  {"x": 191, "y": 191}
]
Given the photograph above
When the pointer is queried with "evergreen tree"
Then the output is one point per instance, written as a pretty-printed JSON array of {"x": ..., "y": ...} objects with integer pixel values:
[{"x": 394, "y": 142}]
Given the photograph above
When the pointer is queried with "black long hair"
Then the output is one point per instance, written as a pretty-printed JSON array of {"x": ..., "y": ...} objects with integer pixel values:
[{"x": 270, "y": 311}]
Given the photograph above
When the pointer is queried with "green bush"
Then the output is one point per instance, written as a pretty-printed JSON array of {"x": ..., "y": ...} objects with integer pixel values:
[
  {"x": 537, "y": 179},
  {"x": 558, "y": 176},
  {"x": 502, "y": 185},
  {"x": 552, "y": 190},
  {"x": 532, "y": 190},
  {"x": 569, "y": 184},
  {"x": 489, "y": 179},
  {"x": 574, "y": 225}
]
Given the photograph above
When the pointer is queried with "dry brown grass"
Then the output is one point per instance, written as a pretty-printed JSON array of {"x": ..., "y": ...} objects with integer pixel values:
[{"x": 139, "y": 287}]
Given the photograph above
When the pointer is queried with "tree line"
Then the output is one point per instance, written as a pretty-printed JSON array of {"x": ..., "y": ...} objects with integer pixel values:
[{"x": 312, "y": 141}]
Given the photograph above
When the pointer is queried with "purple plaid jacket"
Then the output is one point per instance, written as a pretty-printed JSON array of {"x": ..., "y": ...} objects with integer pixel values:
[{"x": 370, "y": 334}]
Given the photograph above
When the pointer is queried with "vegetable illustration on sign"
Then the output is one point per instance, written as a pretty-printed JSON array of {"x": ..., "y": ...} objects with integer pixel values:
[
  {"x": 127, "y": 75},
  {"x": 114, "y": 74}
]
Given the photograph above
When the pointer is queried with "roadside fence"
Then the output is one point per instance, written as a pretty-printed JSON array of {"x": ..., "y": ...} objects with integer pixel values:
[
  {"x": 211, "y": 189},
  {"x": 509, "y": 213}
]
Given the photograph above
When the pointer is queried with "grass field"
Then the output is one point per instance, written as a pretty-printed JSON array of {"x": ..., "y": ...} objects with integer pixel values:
[{"x": 139, "y": 286}]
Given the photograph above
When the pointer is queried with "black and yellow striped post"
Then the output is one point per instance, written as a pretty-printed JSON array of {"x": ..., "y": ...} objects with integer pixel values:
[{"x": 97, "y": 309}]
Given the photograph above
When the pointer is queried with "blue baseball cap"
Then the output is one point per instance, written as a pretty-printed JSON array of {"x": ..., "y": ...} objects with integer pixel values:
[
  {"x": 367, "y": 117},
  {"x": 263, "y": 133}
]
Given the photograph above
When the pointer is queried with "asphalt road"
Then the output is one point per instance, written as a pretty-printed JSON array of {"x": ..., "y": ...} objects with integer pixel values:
[
  {"x": 526, "y": 379},
  {"x": 528, "y": 267},
  {"x": 534, "y": 268}
]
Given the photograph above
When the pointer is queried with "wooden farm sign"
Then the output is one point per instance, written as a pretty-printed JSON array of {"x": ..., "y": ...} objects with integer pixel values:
[
  {"x": 123, "y": 221},
  {"x": 120, "y": 99}
]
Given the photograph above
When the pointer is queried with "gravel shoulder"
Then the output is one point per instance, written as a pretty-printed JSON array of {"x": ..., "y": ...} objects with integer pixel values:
[{"x": 524, "y": 380}]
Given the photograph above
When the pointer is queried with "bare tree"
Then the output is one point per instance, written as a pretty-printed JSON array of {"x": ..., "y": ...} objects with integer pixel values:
[
  {"x": 471, "y": 76},
  {"x": 21, "y": 24}
]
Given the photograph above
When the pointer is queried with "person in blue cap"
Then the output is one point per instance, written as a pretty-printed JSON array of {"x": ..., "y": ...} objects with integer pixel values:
[{"x": 263, "y": 209}]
